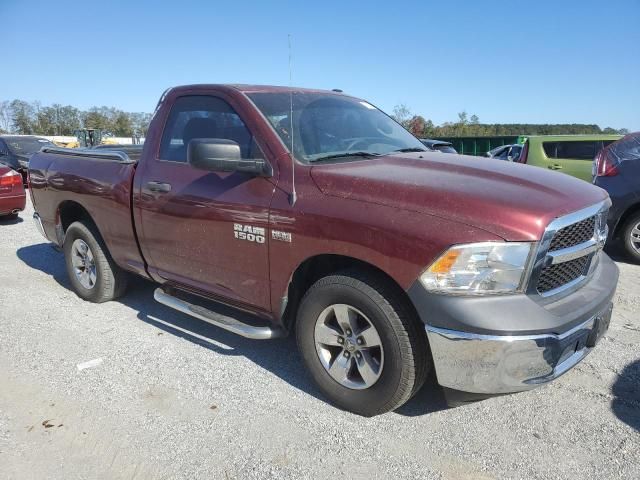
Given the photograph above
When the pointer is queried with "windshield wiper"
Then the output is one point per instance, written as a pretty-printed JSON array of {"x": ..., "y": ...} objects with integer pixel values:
[
  {"x": 345, "y": 154},
  {"x": 409, "y": 150}
]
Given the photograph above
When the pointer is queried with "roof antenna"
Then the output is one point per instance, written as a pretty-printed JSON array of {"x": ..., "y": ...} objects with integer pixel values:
[{"x": 293, "y": 196}]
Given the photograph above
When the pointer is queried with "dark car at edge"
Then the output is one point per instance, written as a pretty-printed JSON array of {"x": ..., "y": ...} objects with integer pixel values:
[
  {"x": 616, "y": 168},
  {"x": 16, "y": 150}
]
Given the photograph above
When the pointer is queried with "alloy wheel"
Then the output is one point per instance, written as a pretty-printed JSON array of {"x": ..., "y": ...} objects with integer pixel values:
[
  {"x": 83, "y": 263},
  {"x": 348, "y": 346}
]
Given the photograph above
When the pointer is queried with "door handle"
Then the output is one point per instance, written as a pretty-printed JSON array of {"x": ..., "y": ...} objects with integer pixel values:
[
  {"x": 555, "y": 166},
  {"x": 159, "y": 187}
]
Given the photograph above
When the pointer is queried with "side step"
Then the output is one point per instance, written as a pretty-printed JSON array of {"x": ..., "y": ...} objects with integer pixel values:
[{"x": 227, "y": 323}]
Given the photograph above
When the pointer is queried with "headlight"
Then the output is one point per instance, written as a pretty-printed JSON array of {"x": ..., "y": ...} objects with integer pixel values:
[{"x": 479, "y": 268}]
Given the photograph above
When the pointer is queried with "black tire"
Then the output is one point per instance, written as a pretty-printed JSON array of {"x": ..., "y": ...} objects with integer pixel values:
[
  {"x": 111, "y": 280},
  {"x": 406, "y": 356},
  {"x": 629, "y": 225},
  {"x": 9, "y": 218}
]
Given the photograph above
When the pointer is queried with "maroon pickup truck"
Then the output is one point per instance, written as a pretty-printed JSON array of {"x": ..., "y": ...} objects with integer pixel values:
[{"x": 319, "y": 214}]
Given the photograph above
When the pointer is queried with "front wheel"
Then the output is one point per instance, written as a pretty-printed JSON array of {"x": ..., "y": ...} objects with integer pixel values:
[
  {"x": 362, "y": 344},
  {"x": 93, "y": 273}
]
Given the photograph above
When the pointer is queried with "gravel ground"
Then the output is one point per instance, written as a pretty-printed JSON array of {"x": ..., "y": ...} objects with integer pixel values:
[{"x": 177, "y": 398}]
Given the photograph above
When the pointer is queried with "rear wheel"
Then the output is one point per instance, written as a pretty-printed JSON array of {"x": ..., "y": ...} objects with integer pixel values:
[
  {"x": 10, "y": 217},
  {"x": 93, "y": 273},
  {"x": 631, "y": 237},
  {"x": 362, "y": 345}
]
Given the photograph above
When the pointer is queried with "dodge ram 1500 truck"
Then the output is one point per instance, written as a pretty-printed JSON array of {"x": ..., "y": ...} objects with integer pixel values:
[{"x": 319, "y": 214}]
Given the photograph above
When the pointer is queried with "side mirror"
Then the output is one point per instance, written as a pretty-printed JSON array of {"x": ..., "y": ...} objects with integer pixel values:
[{"x": 222, "y": 155}]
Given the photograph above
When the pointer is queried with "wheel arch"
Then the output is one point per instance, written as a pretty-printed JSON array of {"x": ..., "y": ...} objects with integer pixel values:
[
  {"x": 628, "y": 213},
  {"x": 317, "y": 266},
  {"x": 70, "y": 211}
]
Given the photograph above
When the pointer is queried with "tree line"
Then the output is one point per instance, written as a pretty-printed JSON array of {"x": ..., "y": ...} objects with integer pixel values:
[
  {"x": 470, "y": 126},
  {"x": 32, "y": 118}
]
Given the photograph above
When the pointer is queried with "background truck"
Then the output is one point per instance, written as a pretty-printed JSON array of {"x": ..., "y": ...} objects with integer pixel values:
[{"x": 320, "y": 215}]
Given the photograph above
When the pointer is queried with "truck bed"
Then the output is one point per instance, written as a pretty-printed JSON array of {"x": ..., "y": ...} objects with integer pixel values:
[{"x": 97, "y": 181}]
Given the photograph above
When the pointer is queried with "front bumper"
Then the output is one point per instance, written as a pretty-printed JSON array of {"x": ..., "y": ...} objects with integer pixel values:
[
  {"x": 513, "y": 343},
  {"x": 493, "y": 364}
]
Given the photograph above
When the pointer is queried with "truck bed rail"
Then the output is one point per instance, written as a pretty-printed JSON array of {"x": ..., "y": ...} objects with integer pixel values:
[{"x": 109, "y": 156}]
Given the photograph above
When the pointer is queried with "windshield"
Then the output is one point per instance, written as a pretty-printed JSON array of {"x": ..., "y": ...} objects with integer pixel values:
[
  {"x": 26, "y": 145},
  {"x": 333, "y": 126},
  {"x": 516, "y": 150},
  {"x": 445, "y": 148}
]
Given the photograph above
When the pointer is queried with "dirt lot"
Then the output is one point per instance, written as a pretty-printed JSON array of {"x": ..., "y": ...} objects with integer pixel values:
[{"x": 173, "y": 397}]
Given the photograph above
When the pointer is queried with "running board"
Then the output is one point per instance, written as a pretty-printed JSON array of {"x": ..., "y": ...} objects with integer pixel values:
[{"x": 227, "y": 323}]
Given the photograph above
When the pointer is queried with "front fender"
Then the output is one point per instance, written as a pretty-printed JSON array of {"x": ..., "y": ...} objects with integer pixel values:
[{"x": 398, "y": 242}]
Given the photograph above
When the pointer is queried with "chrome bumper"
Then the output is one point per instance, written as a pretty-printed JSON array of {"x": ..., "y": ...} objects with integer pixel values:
[
  {"x": 494, "y": 364},
  {"x": 39, "y": 226}
]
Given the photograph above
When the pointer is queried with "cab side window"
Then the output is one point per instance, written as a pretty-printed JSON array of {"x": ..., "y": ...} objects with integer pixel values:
[
  {"x": 201, "y": 116},
  {"x": 572, "y": 150}
]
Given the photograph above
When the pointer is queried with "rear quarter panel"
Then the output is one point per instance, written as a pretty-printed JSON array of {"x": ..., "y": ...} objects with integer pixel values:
[{"x": 101, "y": 187}]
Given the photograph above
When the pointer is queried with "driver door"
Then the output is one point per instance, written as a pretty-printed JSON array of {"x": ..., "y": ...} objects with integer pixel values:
[{"x": 188, "y": 216}]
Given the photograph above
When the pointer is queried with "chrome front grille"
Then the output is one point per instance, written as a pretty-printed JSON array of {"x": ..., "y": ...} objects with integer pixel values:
[
  {"x": 569, "y": 250},
  {"x": 555, "y": 276},
  {"x": 575, "y": 234}
]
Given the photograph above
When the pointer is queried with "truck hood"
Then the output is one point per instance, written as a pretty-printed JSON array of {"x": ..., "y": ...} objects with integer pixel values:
[{"x": 511, "y": 200}]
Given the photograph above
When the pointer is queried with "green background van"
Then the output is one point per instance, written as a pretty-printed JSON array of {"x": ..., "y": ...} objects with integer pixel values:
[{"x": 571, "y": 154}]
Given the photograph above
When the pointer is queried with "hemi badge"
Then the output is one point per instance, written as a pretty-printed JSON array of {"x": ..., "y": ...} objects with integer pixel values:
[{"x": 282, "y": 236}]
